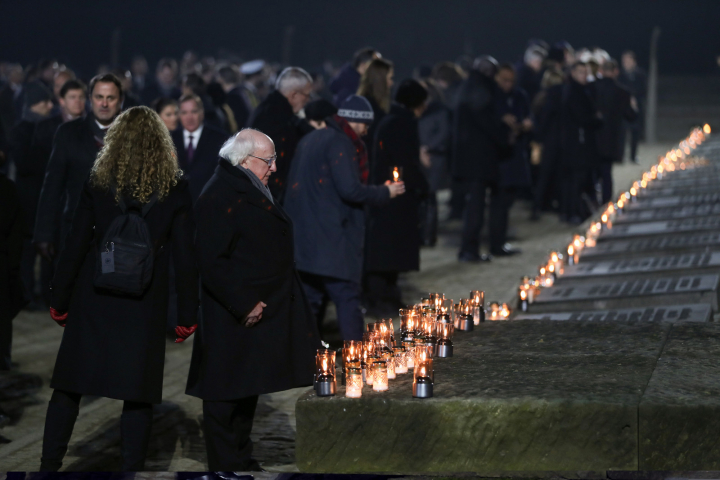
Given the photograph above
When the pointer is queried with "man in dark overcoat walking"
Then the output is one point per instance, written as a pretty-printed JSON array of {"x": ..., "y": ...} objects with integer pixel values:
[
  {"x": 326, "y": 199},
  {"x": 75, "y": 147},
  {"x": 276, "y": 116},
  {"x": 257, "y": 334}
]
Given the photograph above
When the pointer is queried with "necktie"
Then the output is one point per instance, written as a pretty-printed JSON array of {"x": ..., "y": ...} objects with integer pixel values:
[{"x": 190, "y": 149}]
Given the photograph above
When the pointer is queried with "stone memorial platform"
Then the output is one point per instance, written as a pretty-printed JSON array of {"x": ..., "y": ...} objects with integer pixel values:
[
  {"x": 659, "y": 244},
  {"x": 701, "y": 312},
  {"x": 685, "y": 263},
  {"x": 678, "y": 212},
  {"x": 528, "y": 397},
  {"x": 651, "y": 229},
  {"x": 604, "y": 294},
  {"x": 664, "y": 190}
]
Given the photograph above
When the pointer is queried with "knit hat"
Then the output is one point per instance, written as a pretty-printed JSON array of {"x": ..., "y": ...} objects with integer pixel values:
[
  {"x": 319, "y": 110},
  {"x": 356, "y": 108},
  {"x": 36, "y": 92},
  {"x": 411, "y": 94}
]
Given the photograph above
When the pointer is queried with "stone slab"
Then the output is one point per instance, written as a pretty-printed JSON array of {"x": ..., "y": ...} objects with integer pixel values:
[
  {"x": 679, "y": 212},
  {"x": 661, "y": 228},
  {"x": 686, "y": 263},
  {"x": 668, "y": 191},
  {"x": 680, "y": 409},
  {"x": 652, "y": 203},
  {"x": 518, "y": 396},
  {"x": 659, "y": 244},
  {"x": 702, "y": 181},
  {"x": 601, "y": 295},
  {"x": 701, "y": 312}
]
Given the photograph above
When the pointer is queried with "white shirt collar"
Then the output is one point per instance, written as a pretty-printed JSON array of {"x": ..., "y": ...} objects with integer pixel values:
[
  {"x": 196, "y": 136},
  {"x": 102, "y": 127}
]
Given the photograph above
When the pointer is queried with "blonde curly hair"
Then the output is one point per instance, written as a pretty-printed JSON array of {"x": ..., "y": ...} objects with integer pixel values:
[{"x": 138, "y": 158}]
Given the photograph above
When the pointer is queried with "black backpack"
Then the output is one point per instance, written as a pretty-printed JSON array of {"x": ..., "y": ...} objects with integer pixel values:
[{"x": 125, "y": 255}]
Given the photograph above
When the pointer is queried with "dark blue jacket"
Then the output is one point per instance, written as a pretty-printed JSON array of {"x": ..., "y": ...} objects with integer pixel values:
[
  {"x": 515, "y": 170},
  {"x": 325, "y": 200},
  {"x": 344, "y": 84}
]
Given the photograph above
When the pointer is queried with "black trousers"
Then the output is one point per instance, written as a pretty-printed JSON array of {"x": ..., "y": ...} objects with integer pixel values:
[
  {"x": 346, "y": 297},
  {"x": 575, "y": 184},
  {"x": 605, "y": 176},
  {"x": 474, "y": 218},
  {"x": 135, "y": 427},
  {"x": 548, "y": 179},
  {"x": 227, "y": 426}
]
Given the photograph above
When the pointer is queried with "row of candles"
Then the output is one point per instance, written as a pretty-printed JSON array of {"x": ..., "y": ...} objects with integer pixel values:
[
  {"x": 426, "y": 331},
  {"x": 548, "y": 272}
]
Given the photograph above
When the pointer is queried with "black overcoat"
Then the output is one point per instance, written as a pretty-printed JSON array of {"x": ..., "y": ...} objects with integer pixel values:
[
  {"x": 245, "y": 255},
  {"x": 114, "y": 346},
  {"x": 578, "y": 126},
  {"x": 275, "y": 118},
  {"x": 326, "y": 202},
  {"x": 74, "y": 150},
  {"x": 13, "y": 232},
  {"x": 393, "y": 233},
  {"x": 480, "y": 139},
  {"x": 613, "y": 101},
  {"x": 199, "y": 171}
]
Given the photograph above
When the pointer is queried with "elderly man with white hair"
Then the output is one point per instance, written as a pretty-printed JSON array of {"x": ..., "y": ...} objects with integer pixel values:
[
  {"x": 257, "y": 333},
  {"x": 277, "y": 116}
]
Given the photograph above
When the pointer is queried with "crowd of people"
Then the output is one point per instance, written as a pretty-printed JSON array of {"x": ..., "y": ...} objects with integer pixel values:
[{"x": 276, "y": 191}]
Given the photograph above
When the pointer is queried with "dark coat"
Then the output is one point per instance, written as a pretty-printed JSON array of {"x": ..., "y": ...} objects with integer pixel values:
[
  {"x": 275, "y": 118},
  {"x": 74, "y": 150},
  {"x": 529, "y": 80},
  {"x": 344, "y": 84},
  {"x": 578, "y": 125},
  {"x": 153, "y": 91},
  {"x": 205, "y": 157},
  {"x": 515, "y": 171},
  {"x": 435, "y": 127},
  {"x": 10, "y": 108},
  {"x": 326, "y": 202},
  {"x": 114, "y": 346},
  {"x": 378, "y": 115},
  {"x": 13, "y": 232},
  {"x": 245, "y": 255},
  {"x": 613, "y": 101},
  {"x": 393, "y": 234},
  {"x": 480, "y": 139},
  {"x": 239, "y": 106}
]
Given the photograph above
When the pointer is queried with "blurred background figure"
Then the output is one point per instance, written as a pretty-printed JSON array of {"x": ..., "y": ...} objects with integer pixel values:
[
  {"x": 168, "y": 110},
  {"x": 635, "y": 80},
  {"x": 139, "y": 70},
  {"x": 317, "y": 111},
  {"x": 347, "y": 80},
  {"x": 165, "y": 82},
  {"x": 375, "y": 85},
  {"x": 229, "y": 79}
]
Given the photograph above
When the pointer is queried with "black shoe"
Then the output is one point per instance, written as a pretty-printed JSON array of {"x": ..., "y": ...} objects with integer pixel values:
[
  {"x": 466, "y": 257},
  {"x": 506, "y": 251}
]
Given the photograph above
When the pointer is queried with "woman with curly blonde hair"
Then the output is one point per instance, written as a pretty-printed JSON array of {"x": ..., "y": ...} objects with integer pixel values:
[{"x": 114, "y": 343}]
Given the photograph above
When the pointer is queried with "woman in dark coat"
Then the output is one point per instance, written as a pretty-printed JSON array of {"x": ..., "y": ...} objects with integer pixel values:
[
  {"x": 375, "y": 85},
  {"x": 257, "y": 334},
  {"x": 393, "y": 233},
  {"x": 114, "y": 344}
]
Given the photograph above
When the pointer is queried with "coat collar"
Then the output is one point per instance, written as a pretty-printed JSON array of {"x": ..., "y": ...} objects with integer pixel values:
[{"x": 240, "y": 183}]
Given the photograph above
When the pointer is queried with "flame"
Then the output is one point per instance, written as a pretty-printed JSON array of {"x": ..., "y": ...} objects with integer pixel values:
[
  {"x": 604, "y": 218},
  {"x": 324, "y": 365},
  {"x": 523, "y": 294},
  {"x": 706, "y": 129},
  {"x": 633, "y": 192},
  {"x": 422, "y": 372},
  {"x": 554, "y": 256},
  {"x": 551, "y": 268},
  {"x": 542, "y": 270},
  {"x": 396, "y": 174},
  {"x": 571, "y": 250}
]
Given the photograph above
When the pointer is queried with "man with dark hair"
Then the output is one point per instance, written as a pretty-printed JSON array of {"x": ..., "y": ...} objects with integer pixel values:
[
  {"x": 229, "y": 79},
  {"x": 347, "y": 80},
  {"x": 61, "y": 76},
  {"x": 481, "y": 138},
  {"x": 165, "y": 84},
  {"x": 75, "y": 147},
  {"x": 635, "y": 80},
  {"x": 617, "y": 106},
  {"x": 197, "y": 144}
]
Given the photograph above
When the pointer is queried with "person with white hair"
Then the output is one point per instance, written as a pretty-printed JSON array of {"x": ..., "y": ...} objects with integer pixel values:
[
  {"x": 257, "y": 333},
  {"x": 530, "y": 71},
  {"x": 277, "y": 116}
]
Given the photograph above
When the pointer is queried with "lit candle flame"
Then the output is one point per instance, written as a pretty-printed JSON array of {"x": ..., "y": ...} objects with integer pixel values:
[
  {"x": 571, "y": 250},
  {"x": 324, "y": 367},
  {"x": 523, "y": 294},
  {"x": 706, "y": 129},
  {"x": 396, "y": 174}
]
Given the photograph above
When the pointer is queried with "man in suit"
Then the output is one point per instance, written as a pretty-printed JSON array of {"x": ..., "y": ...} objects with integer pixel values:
[
  {"x": 197, "y": 144},
  {"x": 277, "y": 117},
  {"x": 616, "y": 105},
  {"x": 75, "y": 147}
]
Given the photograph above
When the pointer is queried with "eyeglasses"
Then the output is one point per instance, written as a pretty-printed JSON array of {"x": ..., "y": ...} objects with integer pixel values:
[{"x": 269, "y": 161}]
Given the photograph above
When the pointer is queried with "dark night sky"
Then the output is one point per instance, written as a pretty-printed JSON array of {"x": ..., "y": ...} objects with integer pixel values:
[{"x": 408, "y": 32}]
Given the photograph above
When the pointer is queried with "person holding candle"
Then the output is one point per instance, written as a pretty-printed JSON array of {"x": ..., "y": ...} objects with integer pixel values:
[
  {"x": 257, "y": 334},
  {"x": 325, "y": 200},
  {"x": 393, "y": 236}
]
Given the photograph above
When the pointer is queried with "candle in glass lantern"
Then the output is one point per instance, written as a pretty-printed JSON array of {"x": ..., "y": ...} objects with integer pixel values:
[
  {"x": 409, "y": 346},
  {"x": 522, "y": 298},
  {"x": 380, "y": 376},
  {"x": 422, "y": 383},
  {"x": 424, "y": 358},
  {"x": 494, "y": 311},
  {"x": 354, "y": 383},
  {"x": 400, "y": 360},
  {"x": 396, "y": 174},
  {"x": 478, "y": 299},
  {"x": 445, "y": 345},
  {"x": 505, "y": 311},
  {"x": 389, "y": 360},
  {"x": 325, "y": 385}
]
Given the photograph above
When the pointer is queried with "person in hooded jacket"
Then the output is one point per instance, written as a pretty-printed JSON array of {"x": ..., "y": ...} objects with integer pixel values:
[{"x": 393, "y": 234}]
